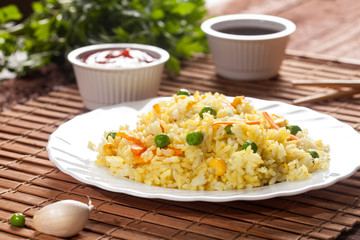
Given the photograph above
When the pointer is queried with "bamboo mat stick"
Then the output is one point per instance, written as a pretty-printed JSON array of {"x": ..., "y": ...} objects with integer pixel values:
[
  {"x": 325, "y": 96},
  {"x": 328, "y": 83}
]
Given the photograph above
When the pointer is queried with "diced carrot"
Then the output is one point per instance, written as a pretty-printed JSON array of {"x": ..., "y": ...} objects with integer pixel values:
[
  {"x": 177, "y": 152},
  {"x": 270, "y": 121},
  {"x": 252, "y": 122},
  {"x": 222, "y": 123},
  {"x": 231, "y": 123},
  {"x": 157, "y": 109},
  {"x": 154, "y": 152},
  {"x": 274, "y": 125},
  {"x": 293, "y": 137},
  {"x": 130, "y": 138},
  {"x": 137, "y": 149},
  {"x": 138, "y": 159},
  {"x": 162, "y": 128}
]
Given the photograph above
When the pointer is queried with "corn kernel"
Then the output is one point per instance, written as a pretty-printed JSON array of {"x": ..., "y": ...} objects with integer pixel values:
[
  {"x": 237, "y": 100},
  {"x": 219, "y": 165},
  {"x": 109, "y": 149}
]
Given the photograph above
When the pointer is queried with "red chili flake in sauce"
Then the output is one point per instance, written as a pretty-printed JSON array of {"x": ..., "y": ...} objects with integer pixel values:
[{"x": 116, "y": 54}]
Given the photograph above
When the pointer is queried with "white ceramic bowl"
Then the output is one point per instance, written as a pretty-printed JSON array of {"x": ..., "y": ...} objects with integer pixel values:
[
  {"x": 245, "y": 55},
  {"x": 103, "y": 85}
]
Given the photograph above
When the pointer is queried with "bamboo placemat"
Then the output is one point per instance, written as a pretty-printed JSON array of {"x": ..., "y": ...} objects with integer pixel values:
[{"x": 28, "y": 180}]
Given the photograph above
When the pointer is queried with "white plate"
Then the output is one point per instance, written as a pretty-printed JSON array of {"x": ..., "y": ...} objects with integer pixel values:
[{"x": 68, "y": 149}]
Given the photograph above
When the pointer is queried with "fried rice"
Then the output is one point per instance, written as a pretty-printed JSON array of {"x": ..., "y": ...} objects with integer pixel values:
[{"x": 239, "y": 147}]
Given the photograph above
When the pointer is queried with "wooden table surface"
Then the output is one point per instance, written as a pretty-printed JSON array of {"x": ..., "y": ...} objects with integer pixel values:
[{"x": 326, "y": 29}]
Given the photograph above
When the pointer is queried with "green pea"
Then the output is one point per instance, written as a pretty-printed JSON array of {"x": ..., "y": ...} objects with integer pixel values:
[
  {"x": 313, "y": 153},
  {"x": 162, "y": 140},
  {"x": 194, "y": 138},
  {"x": 183, "y": 92},
  {"x": 294, "y": 129},
  {"x": 17, "y": 220},
  {"x": 207, "y": 109},
  {"x": 228, "y": 129},
  {"x": 253, "y": 146},
  {"x": 111, "y": 134}
]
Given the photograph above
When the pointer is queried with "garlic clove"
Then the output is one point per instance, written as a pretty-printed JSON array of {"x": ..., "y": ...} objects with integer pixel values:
[{"x": 65, "y": 218}]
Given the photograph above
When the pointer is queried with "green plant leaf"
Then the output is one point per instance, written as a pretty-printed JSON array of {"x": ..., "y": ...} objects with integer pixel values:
[
  {"x": 187, "y": 46},
  {"x": 38, "y": 7},
  {"x": 173, "y": 64},
  {"x": 9, "y": 13},
  {"x": 184, "y": 8},
  {"x": 157, "y": 14},
  {"x": 172, "y": 26}
]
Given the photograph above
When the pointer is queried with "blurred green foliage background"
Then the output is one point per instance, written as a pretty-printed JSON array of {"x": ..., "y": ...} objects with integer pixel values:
[{"x": 55, "y": 27}]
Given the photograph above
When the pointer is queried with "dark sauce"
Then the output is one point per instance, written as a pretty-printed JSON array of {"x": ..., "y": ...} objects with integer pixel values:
[{"x": 248, "y": 31}]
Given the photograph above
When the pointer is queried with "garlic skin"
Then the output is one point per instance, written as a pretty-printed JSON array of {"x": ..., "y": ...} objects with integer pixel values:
[{"x": 64, "y": 219}]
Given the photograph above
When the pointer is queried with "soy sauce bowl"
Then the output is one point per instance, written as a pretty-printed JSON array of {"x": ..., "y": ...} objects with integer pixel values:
[
  {"x": 247, "y": 47},
  {"x": 105, "y": 84}
]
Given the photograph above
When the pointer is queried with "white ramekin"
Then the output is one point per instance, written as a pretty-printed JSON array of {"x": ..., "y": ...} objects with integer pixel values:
[
  {"x": 101, "y": 86},
  {"x": 247, "y": 57}
]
